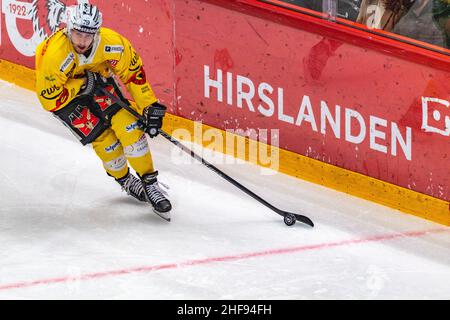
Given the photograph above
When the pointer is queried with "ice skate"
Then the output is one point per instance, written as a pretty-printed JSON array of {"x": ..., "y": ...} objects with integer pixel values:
[
  {"x": 132, "y": 186},
  {"x": 155, "y": 196}
]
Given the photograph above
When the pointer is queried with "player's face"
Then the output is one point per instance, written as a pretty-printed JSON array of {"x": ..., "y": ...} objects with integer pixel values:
[{"x": 81, "y": 41}]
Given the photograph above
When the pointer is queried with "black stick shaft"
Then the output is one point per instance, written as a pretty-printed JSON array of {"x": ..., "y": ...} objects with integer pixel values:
[
  {"x": 216, "y": 170},
  {"x": 282, "y": 213}
]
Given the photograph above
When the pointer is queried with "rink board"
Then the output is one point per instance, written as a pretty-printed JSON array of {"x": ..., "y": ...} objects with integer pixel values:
[
  {"x": 244, "y": 64},
  {"x": 290, "y": 163}
]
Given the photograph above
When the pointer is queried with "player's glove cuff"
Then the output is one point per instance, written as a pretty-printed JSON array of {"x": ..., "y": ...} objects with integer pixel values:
[
  {"x": 93, "y": 80},
  {"x": 152, "y": 118}
]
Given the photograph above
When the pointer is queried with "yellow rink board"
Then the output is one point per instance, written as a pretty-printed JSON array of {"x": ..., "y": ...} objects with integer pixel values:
[{"x": 290, "y": 163}]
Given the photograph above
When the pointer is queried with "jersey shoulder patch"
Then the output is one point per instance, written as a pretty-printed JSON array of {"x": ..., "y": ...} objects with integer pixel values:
[
  {"x": 57, "y": 54},
  {"x": 67, "y": 62},
  {"x": 113, "y": 48},
  {"x": 112, "y": 42}
]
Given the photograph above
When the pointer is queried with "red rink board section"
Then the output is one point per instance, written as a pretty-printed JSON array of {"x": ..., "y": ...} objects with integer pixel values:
[
  {"x": 293, "y": 58},
  {"x": 334, "y": 94},
  {"x": 147, "y": 24}
]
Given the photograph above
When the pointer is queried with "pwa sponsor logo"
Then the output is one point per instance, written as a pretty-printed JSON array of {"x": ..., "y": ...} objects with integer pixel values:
[
  {"x": 132, "y": 127},
  {"x": 49, "y": 93},
  {"x": 112, "y": 147},
  {"x": 436, "y": 115}
]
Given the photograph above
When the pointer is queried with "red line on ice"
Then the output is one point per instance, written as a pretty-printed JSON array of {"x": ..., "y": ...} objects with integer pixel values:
[{"x": 144, "y": 269}]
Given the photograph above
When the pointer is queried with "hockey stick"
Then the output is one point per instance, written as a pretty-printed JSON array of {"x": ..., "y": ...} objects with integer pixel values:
[{"x": 289, "y": 217}]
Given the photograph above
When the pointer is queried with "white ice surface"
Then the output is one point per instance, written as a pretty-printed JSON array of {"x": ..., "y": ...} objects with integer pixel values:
[{"x": 68, "y": 232}]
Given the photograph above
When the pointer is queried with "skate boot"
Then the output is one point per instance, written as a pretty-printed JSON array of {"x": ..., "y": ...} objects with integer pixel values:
[
  {"x": 155, "y": 196},
  {"x": 132, "y": 186}
]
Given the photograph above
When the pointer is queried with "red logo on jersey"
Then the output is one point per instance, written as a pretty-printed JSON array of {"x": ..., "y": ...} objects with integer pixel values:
[
  {"x": 138, "y": 78},
  {"x": 105, "y": 101},
  {"x": 113, "y": 63},
  {"x": 85, "y": 121},
  {"x": 62, "y": 98}
]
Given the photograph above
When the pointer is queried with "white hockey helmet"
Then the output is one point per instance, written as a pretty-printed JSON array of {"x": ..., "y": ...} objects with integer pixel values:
[{"x": 85, "y": 18}]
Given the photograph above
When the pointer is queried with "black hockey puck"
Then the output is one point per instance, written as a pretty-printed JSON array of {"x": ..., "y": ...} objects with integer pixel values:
[{"x": 289, "y": 219}]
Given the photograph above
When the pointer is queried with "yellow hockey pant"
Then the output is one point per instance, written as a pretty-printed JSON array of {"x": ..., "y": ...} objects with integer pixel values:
[{"x": 124, "y": 142}]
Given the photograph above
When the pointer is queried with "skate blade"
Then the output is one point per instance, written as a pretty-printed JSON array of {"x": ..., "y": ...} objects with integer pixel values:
[{"x": 163, "y": 215}]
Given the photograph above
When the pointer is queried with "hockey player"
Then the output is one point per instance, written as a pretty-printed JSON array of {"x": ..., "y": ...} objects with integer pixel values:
[{"x": 75, "y": 69}]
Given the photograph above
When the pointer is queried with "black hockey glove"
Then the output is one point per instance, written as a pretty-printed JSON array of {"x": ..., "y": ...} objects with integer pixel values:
[
  {"x": 152, "y": 118},
  {"x": 93, "y": 80}
]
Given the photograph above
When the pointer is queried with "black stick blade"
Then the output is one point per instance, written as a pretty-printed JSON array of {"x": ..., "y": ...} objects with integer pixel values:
[
  {"x": 298, "y": 217},
  {"x": 304, "y": 219}
]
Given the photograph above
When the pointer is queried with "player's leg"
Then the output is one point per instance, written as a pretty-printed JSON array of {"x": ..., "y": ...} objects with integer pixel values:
[
  {"x": 109, "y": 149},
  {"x": 137, "y": 151}
]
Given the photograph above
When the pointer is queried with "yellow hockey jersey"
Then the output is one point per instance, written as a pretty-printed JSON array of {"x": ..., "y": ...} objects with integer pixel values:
[{"x": 59, "y": 68}]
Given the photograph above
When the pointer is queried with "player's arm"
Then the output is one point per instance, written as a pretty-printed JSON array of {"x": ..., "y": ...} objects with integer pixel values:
[
  {"x": 130, "y": 70},
  {"x": 128, "y": 67},
  {"x": 53, "y": 87}
]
